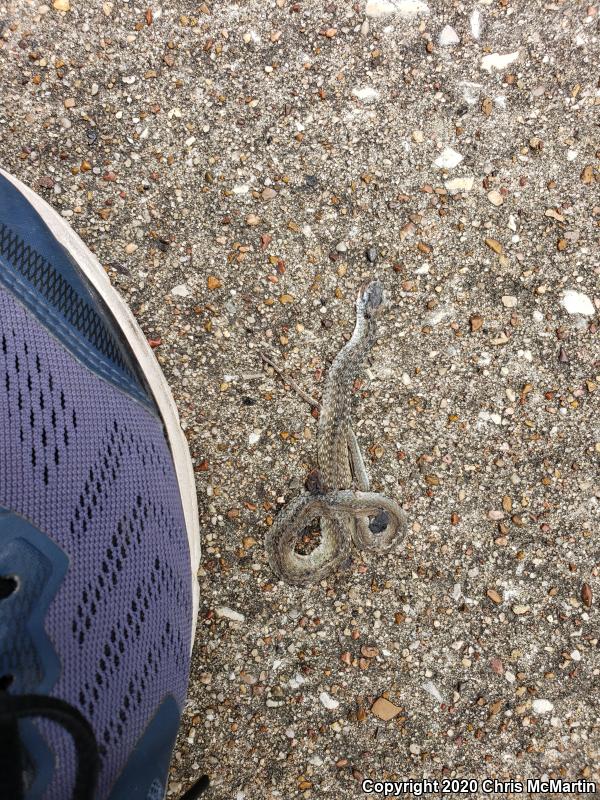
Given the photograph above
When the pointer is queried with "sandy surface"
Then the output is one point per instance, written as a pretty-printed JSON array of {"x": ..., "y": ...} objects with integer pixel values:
[{"x": 231, "y": 164}]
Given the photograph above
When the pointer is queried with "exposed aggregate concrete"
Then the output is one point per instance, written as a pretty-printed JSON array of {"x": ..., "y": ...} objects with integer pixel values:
[{"x": 240, "y": 168}]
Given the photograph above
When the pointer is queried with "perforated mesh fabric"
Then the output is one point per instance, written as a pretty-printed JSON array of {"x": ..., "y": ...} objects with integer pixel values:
[
  {"x": 46, "y": 279},
  {"x": 90, "y": 467}
]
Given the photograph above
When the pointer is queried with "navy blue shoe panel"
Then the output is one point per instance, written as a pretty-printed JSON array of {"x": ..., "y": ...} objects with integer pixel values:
[
  {"x": 36, "y": 567},
  {"x": 44, "y": 278},
  {"x": 145, "y": 774}
]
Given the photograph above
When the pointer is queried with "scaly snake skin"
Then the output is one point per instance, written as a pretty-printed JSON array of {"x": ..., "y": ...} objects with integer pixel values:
[{"x": 341, "y": 497}]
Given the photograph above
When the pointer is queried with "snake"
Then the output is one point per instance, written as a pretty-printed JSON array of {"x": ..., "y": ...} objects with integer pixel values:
[{"x": 339, "y": 491}]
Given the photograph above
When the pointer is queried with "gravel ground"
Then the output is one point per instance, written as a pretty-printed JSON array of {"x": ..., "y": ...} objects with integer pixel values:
[{"x": 232, "y": 165}]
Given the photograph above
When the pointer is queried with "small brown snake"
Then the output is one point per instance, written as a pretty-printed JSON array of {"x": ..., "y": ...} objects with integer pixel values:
[{"x": 341, "y": 497}]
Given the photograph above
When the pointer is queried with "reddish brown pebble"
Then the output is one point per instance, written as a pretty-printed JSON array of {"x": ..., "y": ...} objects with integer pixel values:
[
  {"x": 487, "y": 106},
  {"x": 497, "y": 666},
  {"x": 368, "y": 651},
  {"x": 586, "y": 595},
  {"x": 385, "y": 709},
  {"x": 587, "y": 175}
]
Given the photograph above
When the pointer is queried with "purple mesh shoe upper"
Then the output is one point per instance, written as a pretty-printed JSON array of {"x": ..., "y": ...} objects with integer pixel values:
[{"x": 90, "y": 468}]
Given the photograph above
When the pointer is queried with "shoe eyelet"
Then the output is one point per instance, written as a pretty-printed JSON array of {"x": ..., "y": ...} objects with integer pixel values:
[
  {"x": 6, "y": 682},
  {"x": 8, "y": 585}
]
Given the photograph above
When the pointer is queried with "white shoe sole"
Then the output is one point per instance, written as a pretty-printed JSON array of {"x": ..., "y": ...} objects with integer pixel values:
[{"x": 93, "y": 271}]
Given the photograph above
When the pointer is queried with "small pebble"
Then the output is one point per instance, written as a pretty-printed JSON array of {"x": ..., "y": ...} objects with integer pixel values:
[
  {"x": 541, "y": 706},
  {"x": 475, "y": 23},
  {"x": 229, "y": 613},
  {"x": 497, "y": 61},
  {"x": 577, "y": 303},
  {"x": 367, "y": 93},
  {"x": 405, "y": 8},
  {"x": 456, "y": 185},
  {"x": 448, "y": 36},
  {"x": 385, "y": 709},
  {"x": 448, "y": 158},
  {"x": 328, "y": 701}
]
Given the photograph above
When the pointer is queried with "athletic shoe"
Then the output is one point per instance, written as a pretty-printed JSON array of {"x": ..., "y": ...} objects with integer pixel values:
[{"x": 99, "y": 538}]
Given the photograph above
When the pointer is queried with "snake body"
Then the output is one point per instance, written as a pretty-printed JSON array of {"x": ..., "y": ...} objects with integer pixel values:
[{"x": 343, "y": 499}]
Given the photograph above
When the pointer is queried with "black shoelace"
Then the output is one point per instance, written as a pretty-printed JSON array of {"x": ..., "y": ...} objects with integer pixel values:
[{"x": 16, "y": 707}]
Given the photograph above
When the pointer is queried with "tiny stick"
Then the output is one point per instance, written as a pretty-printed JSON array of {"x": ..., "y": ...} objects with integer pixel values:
[{"x": 304, "y": 395}]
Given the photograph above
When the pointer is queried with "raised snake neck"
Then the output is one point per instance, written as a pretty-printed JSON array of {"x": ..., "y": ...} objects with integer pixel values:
[{"x": 347, "y": 503}]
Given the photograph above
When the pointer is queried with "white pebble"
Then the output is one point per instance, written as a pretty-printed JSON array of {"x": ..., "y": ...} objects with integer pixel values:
[
  {"x": 577, "y": 303},
  {"x": 495, "y": 197},
  {"x": 181, "y": 290},
  {"x": 296, "y": 681},
  {"x": 328, "y": 701},
  {"x": 457, "y": 185},
  {"x": 367, "y": 94},
  {"x": 475, "y": 21},
  {"x": 406, "y": 8},
  {"x": 509, "y": 301},
  {"x": 497, "y": 61},
  {"x": 576, "y": 655},
  {"x": 448, "y": 158},
  {"x": 541, "y": 706},
  {"x": 229, "y": 613},
  {"x": 432, "y": 689},
  {"x": 448, "y": 37},
  {"x": 415, "y": 749},
  {"x": 254, "y": 437}
]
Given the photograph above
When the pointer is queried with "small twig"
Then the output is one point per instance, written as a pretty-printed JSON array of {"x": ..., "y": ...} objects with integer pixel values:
[{"x": 304, "y": 395}]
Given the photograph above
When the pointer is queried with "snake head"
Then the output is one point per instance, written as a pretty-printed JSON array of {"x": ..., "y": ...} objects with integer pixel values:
[{"x": 370, "y": 299}]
